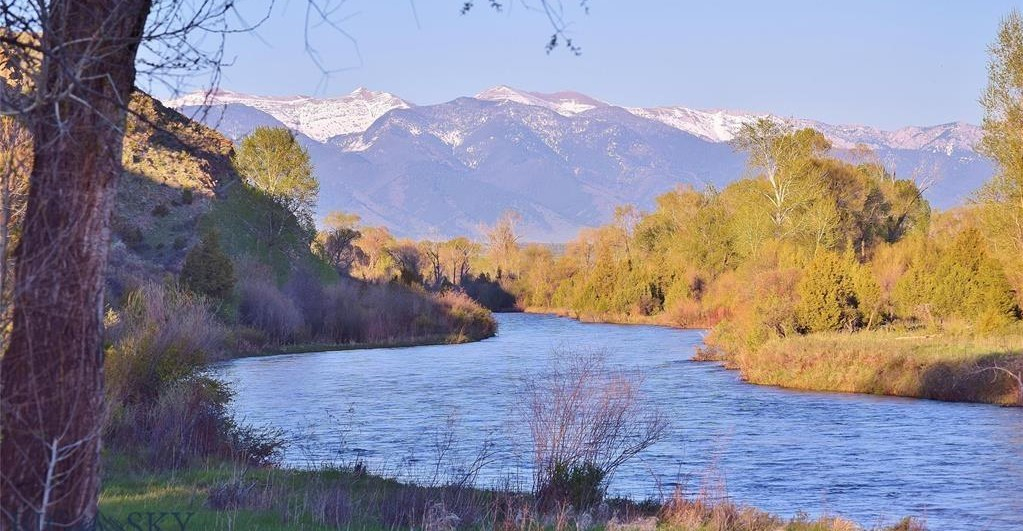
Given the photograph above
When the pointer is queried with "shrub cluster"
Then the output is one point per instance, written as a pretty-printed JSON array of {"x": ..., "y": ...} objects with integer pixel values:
[
  {"x": 162, "y": 405},
  {"x": 348, "y": 311}
]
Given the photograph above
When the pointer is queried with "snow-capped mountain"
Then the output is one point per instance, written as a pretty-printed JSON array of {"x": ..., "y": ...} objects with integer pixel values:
[
  {"x": 565, "y": 103},
  {"x": 722, "y": 126},
  {"x": 317, "y": 118},
  {"x": 564, "y": 160}
]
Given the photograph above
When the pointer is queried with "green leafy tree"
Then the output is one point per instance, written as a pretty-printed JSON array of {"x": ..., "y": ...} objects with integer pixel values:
[
  {"x": 749, "y": 221},
  {"x": 869, "y": 299},
  {"x": 1002, "y": 197},
  {"x": 784, "y": 159},
  {"x": 272, "y": 161},
  {"x": 457, "y": 256},
  {"x": 208, "y": 270},
  {"x": 959, "y": 280},
  {"x": 827, "y": 295}
]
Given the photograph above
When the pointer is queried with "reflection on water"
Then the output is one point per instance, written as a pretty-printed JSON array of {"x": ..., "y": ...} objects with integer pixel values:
[{"x": 872, "y": 459}]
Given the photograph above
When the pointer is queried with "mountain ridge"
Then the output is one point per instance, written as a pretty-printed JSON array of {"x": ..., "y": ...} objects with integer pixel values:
[
  {"x": 563, "y": 159},
  {"x": 716, "y": 125}
]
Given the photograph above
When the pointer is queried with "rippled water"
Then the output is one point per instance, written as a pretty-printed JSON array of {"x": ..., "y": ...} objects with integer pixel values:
[{"x": 872, "y": 459}]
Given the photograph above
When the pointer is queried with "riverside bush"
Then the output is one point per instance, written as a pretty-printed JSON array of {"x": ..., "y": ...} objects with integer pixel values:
[
  {"x": 827, "y": 296},
  {"x": 264, "y": 307},
  {"x": 349, "y": 311},
  {"x": 162, "y": 405}
]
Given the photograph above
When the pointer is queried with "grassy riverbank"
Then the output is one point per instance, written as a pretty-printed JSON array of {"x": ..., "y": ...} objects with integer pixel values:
[
  {"x": 938, "y": 366},
  {"x": 914, "y": 364},
  {"x": 621, "y": 318},
  {"x": 224, "y": 495}
]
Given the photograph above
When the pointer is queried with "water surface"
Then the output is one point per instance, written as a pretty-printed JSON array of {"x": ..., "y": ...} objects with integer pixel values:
[{"x": 871, "y": 459}]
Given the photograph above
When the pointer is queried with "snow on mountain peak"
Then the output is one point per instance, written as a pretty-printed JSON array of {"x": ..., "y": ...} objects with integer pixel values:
[
  {"x": 565, "y": 103},
  {"x": 323, "y": 118},
  {"x": 722, "y": 126},
  {"x": 716, "y": 126},
  {"x": 317, "y": 118}
]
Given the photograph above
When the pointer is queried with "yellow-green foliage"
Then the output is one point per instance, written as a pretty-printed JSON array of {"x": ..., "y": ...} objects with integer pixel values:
[
  {"x": 253, "y": 225},
  {"x": 758, "y": 235},
  {"x": 1001, "y": 199},
  {"x": 827, "y": 295},
  {"x": 272, "y": 161},
  {"x": 958, "y": 279}
]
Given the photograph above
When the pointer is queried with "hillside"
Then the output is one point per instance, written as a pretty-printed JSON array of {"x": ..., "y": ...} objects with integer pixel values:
[
  {"x": 178, "y": 183},
  {"x": 563, "y": 160}
]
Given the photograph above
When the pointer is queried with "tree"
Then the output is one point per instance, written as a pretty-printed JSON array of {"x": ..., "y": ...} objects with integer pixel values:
[
  {"x": 503, "y": 243},
  {"x": 538, "y": 276},
  {"x": 272, "y": 161},
  {"x": 827, "y": 295},
  {"x": 750, "y": 221},
  {"x": 626, "y": 217},
  {"x": 409, "y": 260},
  {"x": 82, "y": 72},
  {"x": 430, "y": 253},
  {"x": 336, "y": 243},
  {"x": 961, "y": 280},
  {"x": 785, "y": 159},
  {"x": 69, "y": 68},
  {"x": 375, "y": 242},
  {"x": 1002, "y": 197},
  {"x": 208, "y": 270},
  {"x": 457, "y": 254}
]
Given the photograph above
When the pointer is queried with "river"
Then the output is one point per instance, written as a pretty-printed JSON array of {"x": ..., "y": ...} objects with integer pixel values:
[{"x": 870, "y": 459}]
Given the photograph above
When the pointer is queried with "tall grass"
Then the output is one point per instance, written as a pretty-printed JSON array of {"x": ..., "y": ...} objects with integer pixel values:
[
  {"x": 222, "y": 496},
  {"x": 939, "y": 366}
]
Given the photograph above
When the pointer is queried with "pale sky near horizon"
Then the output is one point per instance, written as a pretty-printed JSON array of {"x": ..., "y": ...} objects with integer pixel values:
[{"x": 881, "y": 63}]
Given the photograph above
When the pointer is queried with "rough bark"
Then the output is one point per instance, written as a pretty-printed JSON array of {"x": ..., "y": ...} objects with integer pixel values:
[{"x": 51, "y": 376}]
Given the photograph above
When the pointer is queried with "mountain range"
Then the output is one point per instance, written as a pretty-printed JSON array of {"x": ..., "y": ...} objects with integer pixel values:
[{"x": 562, "y": 160}]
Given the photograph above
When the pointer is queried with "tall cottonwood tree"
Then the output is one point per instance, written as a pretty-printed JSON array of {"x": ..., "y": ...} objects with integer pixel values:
[
  {"x": 503, "y": 242},
  {"x": 272, "y": 161},
  {"x": 67, "y": 72},
  {"x": 336, "y": 242},
  {"x": 51, "y": 372},
  {"x": 1002, "y": 197},
  {"x": 785, "y": 159}
]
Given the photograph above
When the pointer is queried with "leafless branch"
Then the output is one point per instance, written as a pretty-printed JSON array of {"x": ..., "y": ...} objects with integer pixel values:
[{"x": 584, "y": 415}]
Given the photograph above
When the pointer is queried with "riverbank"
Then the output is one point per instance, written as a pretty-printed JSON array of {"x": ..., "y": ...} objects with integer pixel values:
[
  {"x": 623, "y": 319},
  {"x": 913, "y": 364},
  {"x": 308, "y": 348},
  {"x": 936, "y": 366},
  {"x": 225, "y": 495}
]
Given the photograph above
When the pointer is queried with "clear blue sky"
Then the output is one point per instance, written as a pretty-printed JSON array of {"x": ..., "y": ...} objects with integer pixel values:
[{"x": 877, "y": 62}]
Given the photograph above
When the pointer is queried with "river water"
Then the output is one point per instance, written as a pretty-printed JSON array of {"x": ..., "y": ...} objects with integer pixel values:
[{"x": 423, "y": 414}]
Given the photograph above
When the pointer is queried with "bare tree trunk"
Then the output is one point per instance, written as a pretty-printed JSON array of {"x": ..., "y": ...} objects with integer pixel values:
[{"x": 52, "y": 372}]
